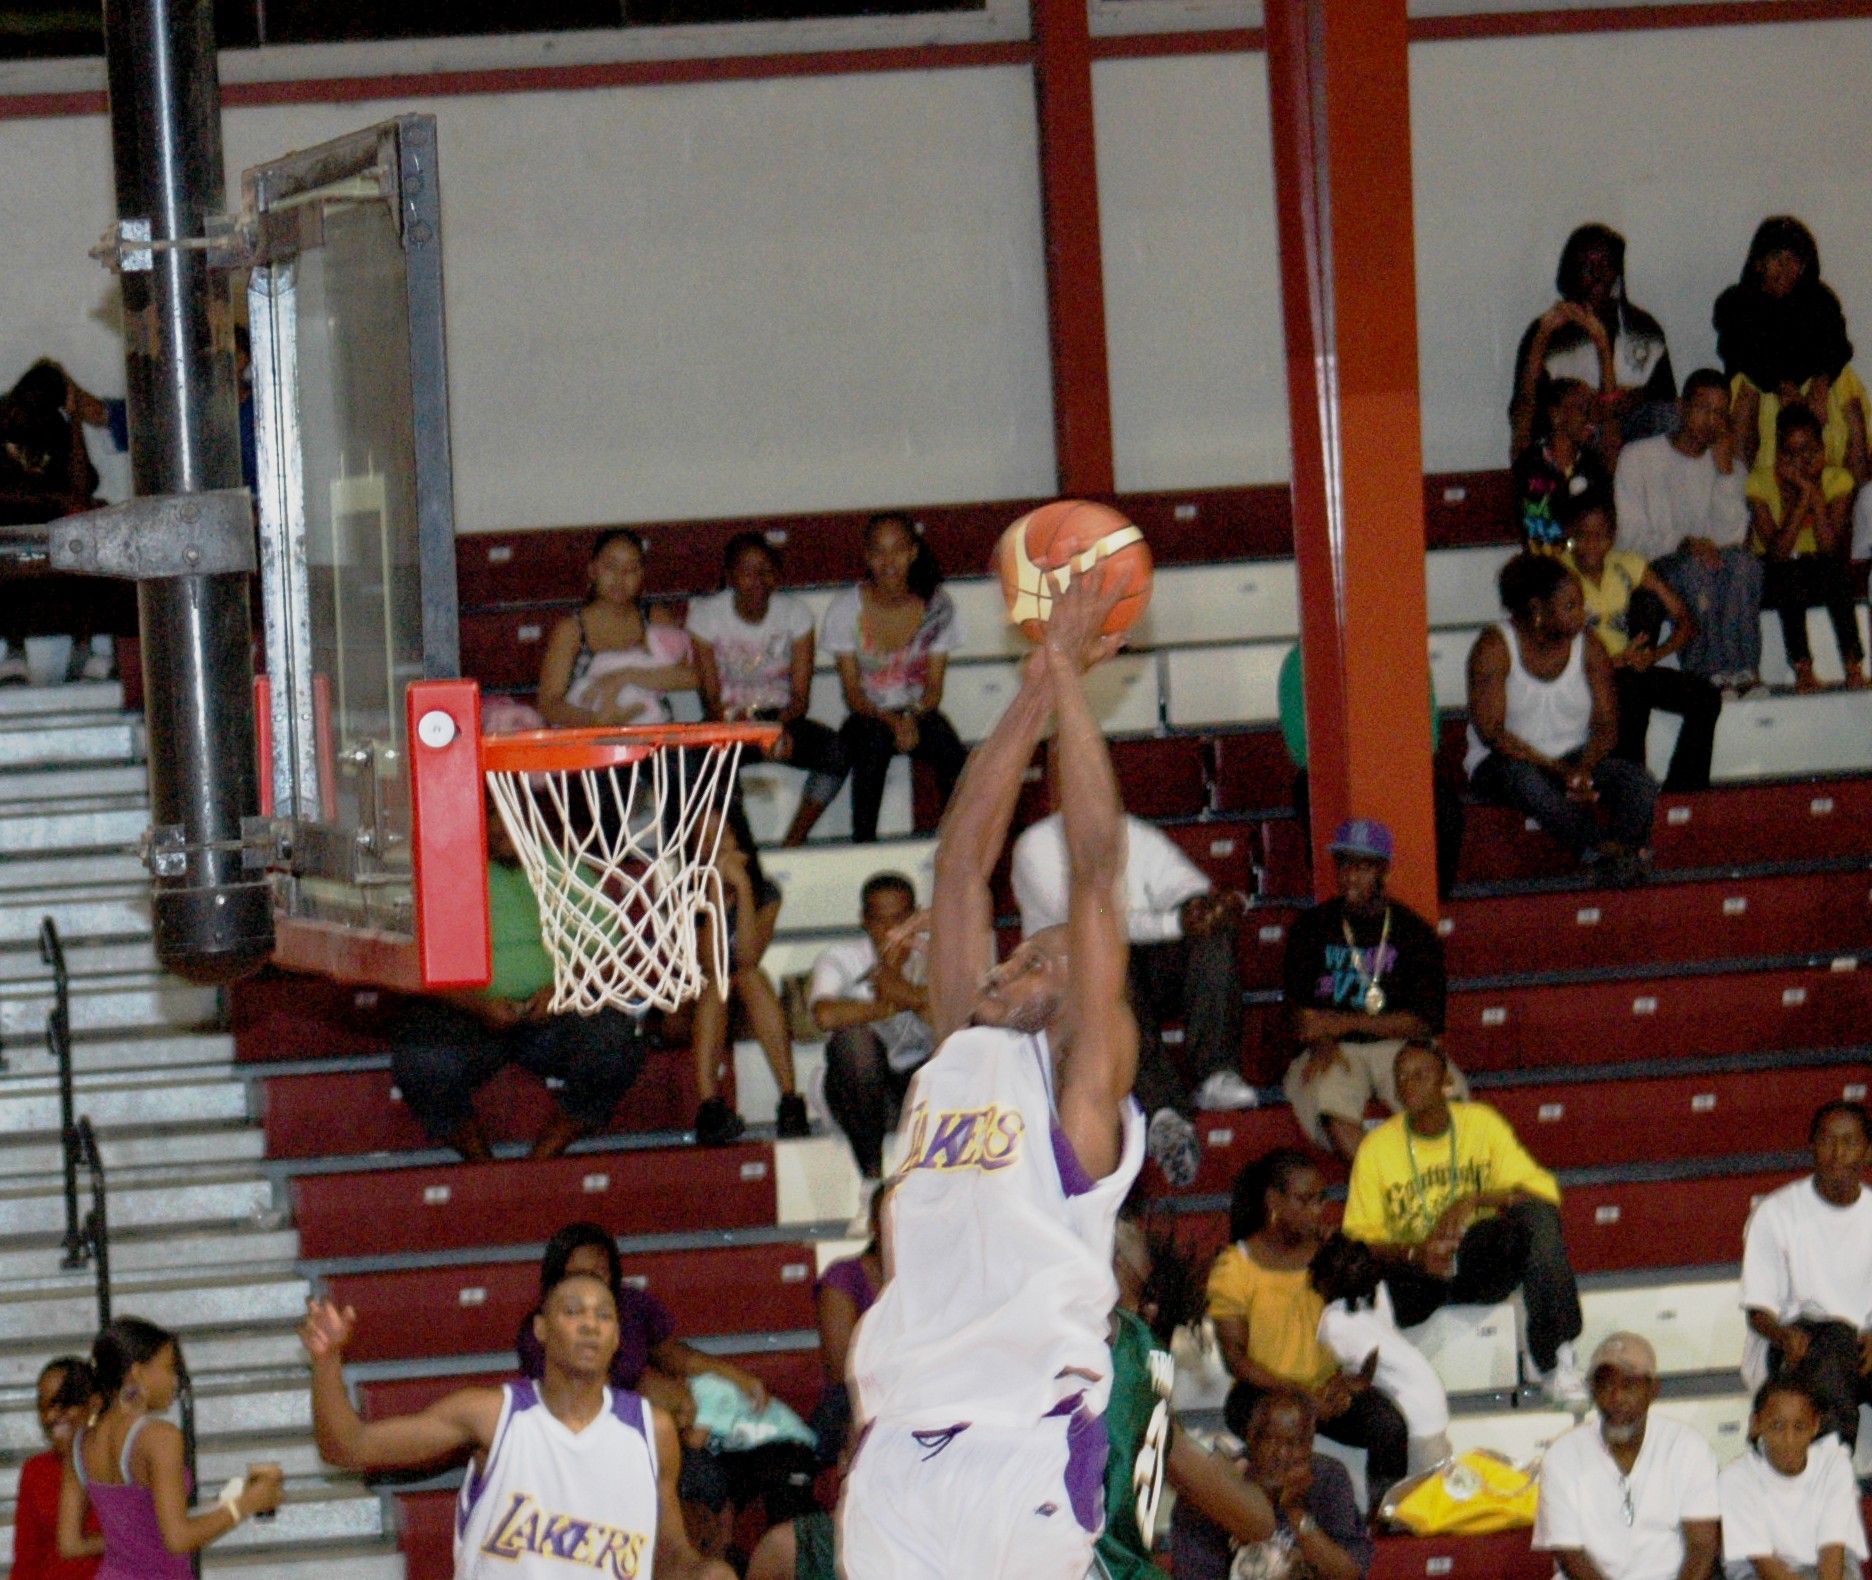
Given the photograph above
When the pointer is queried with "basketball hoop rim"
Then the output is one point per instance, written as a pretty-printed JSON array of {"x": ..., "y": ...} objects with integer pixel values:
[{"x": 611, "y": 745}]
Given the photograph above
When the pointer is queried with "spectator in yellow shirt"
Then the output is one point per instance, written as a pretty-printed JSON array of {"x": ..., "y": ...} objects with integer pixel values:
[
  {"x": 1267, "y": 1313},
  {"x": 1457, "y": 1211},
  {"x": 1801, "y": 520}
]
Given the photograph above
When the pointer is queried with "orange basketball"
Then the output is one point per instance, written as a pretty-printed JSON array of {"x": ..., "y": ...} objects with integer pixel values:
[{"x": 1038, "y": 556}]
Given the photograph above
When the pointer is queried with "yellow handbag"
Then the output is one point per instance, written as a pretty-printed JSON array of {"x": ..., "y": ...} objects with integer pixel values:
[{"x": 1474, "y": 1494}]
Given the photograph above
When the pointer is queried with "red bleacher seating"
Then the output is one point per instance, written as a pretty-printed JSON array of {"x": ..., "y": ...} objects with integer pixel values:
[
  {"x": 654, "y": 1191},
  {"x": 1250, "y": 771},
  {"x": 1508, "y": 1556},
  {"x": 428, "y": 1311},
  {"x": 1705, "y": 1015}
]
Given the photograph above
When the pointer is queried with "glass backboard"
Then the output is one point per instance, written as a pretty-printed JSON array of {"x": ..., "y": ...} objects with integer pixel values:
[{"x": 357, "y": 547}]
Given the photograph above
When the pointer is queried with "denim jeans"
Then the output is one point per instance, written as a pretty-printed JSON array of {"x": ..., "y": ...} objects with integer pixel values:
[{"x": 1628, "y": 793}]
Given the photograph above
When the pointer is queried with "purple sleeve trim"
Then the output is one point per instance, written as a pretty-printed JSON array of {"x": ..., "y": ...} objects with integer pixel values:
[
  {"x": 849, "y": 1278},
  {"x": 629, "y": 1408},
  {"x": 1072, "y": 1174}
]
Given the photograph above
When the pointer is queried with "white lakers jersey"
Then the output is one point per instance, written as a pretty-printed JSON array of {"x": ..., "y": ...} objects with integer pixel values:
[
  {"x": 1001, "y": 1287},
  {"x": 551, "y": 1502}
]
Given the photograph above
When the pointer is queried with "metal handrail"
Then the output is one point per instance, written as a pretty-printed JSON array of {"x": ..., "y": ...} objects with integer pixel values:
[
  {"x": 58, "y": 1044},
  {"x": 96, "y": 1231}
]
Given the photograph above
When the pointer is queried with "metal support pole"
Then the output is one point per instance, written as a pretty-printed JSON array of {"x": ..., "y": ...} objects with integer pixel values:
[
  {"x": 213, "y": 919},
  {"x": 58, "y": 1044}
]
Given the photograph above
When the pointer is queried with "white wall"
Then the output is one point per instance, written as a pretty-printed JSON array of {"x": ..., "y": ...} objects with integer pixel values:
[
  {"x": 828, "y": 293},
  {"x": 794, "y": 294},
  {"x": 1681, "y": 140},
  {"x": 1192, "y": 287}
]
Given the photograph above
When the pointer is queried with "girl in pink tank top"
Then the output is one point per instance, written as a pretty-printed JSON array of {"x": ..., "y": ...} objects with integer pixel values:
[{"x": 127, "y": 1466}]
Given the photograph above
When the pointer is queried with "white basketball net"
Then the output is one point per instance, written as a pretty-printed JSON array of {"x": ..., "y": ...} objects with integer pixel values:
[{"x": 622, "y": 862}]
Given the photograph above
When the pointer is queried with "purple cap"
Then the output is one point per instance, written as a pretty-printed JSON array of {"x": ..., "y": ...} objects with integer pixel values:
[{"x": 1362, "y": 836}]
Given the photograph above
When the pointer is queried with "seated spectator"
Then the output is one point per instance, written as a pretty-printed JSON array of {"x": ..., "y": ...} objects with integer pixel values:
[
  {"x": 446, "y": 1046},
  {"x": 1543, "y": 720},
  {"x": 1182, "y": 967},
  {"x": 1681, "y": 507},
  {"x": 1807, "y": 1274},
  {"x": 1157, "y": 1294},
  {"x": 1781, "y": 335},
  {"x": 1615, "y": 584},
  {"x": 892, "y": 635},
  {"x": 753, "y": 902},
  {"x": 845, "y": 1292},
  {"x": 1594, "y": 334},
  {"x": 1360, "y": 1327},
  {"x": 1362, "y": 974},
  {"x": 1446, "y": 796},
  {"x": 1560, "y": 466},
  {"x": 66, "y": 1391},
  {"x": 754, "y": 660},
  {"x": 876, "y": 1020},
  {"x": 1628, "y": 1496},
  {"x": 1267, "y": 1316},
  {"x": 1799, "y": 519},
  {"x": 1318, "y": 1529},
  {"x": 1456, "y": 1210},
  {"x": 1790, "y": 1507},
  {"x": 614, "y": 661}
]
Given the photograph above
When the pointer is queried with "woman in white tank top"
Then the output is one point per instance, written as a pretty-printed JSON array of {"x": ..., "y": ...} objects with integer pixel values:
[
  {"x": 1543, "y": 719},
  {"x": 566, "y": 1474}
]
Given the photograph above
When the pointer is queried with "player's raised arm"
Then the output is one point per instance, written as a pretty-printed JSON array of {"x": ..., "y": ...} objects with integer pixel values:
[
  {"x": 466, "y": 1419},
  {"x": 1101, "y": 1060},
  {"x": 961, "y": 945}
]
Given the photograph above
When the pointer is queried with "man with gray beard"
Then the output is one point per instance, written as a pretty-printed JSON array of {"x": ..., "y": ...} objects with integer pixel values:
[{"x": 1627, "y": 1497}]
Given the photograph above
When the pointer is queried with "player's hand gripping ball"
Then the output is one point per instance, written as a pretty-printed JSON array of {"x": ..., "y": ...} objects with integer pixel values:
[{"x": 1040, "y": 554}]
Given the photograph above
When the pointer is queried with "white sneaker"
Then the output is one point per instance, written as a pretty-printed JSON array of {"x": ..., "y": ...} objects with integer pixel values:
[
  {"x": 1226, "y": 1089},
  {"x": 1565, "y": 1385},
  {"x": 860, "y": 1226},
  {"x": 1171, "y": 1142},
  {"x": 13, "y": 670}
]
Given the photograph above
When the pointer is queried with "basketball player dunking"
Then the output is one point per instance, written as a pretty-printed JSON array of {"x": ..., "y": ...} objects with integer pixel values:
[
  {"x": 982, "y": 1372},
  {"x": 566, "y": 1475}
]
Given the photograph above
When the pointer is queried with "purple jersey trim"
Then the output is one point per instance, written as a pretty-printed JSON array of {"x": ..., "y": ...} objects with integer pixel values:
[
  {"x": 521, "y": 1395},
  {"x": 628, "y": 1407},
  {"x": 1072, "y": 1173},
  {"x": 1087, "y": 1448}
]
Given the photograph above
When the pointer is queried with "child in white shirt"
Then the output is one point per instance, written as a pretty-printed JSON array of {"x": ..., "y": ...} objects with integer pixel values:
[
  {"x": 1792, "y": 1504},
  {"x": 1358, "y": 1324}
]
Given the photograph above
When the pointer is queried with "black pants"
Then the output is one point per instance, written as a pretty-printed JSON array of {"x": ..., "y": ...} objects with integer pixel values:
[
  {"x": 864, "y": 1093},
  {"x": 1521, "y": 1248},
  {"x": 818, "y": 750},
  {"x": 442, "y": 1055},
  {"x": 870, "y": 745},
  {"x": 1196, "y": 981},
  {"x": 1831, "y": 1369},
  {"x": 1792, "y": 587},
  {"x": 1371, "y": 1422},
  {"x": 1672, "y": 690}
]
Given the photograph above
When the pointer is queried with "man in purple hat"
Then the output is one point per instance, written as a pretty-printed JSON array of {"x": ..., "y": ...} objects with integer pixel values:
[{"x": 1363, "y": 976}]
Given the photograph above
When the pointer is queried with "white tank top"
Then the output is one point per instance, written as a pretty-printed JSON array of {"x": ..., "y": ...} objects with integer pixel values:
[
  {"x": 551, "y": 1502},
  {"x": 1001, "y": 1289},
  {"x": 1553, "y": 716}
]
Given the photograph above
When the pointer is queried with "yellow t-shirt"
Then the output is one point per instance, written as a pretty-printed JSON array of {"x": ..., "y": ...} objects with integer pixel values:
[
  {"x": 1282, "y": 1311},
  {"x": 1835, "y": 483},
  {"x": 1401, "y": 1182},
  {"x": 1845, "y": 392},
  {"x": 1608, "y": 599}
]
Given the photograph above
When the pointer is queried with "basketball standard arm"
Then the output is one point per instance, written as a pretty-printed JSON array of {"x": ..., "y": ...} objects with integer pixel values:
[
  {"x": 1101, "y": 1062},
  {"x": 968, "y": 844}
]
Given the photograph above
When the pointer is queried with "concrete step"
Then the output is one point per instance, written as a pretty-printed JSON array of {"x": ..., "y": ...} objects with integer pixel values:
[
  {"x": 20, "y": 703},
  {"x": 314, "y": 1512},
  {"x": 316, "y": 1562},
  {"x": 147, "y": 1053},
  {"x": 32, "y": 1107},
  {"x": 30, "y": 880},
  {"x": 24, "y": 1269},
  {"x": 81, "y": 912},
  {"x": 118, "y": 1001},
  {"x": 184, "y": 1305},
  {"x": 111, "y": 958},
  {"x": 239, "y": 1357},
  {"x": 70, "y": 739},
  {"x": 232, "y": 1198},
  {"x": 27, "y": 785},
  {"x": 279, "y": 1405},
  {"x": 216, "y": 1462},
  {"x": 126, "y": 1155},
  {"x": 85, "y": 823}
]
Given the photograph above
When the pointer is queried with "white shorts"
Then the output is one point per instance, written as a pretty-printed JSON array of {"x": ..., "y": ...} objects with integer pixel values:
[{"x": 988, "y": 1503}]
